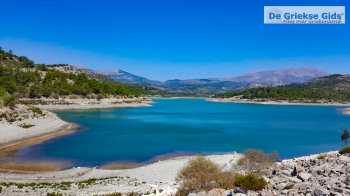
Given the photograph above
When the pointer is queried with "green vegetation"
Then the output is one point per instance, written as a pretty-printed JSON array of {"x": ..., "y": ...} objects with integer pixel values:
[
  {"x": 345, "y": 150},
  {"x": 36, "y": 111},
  {"x": 122, "y": 194},
  {"x": 87, "y": 182},
  {"x": 250, "y": 181},
  {"x": 26, "y": 126},
  {"x": 21, "y": 78},
  {"x": 329, "y": 88},
  {"x": 256, "y": 161},
  {"x": 33, "y": 186},
  {"x": 113, "y": 194},
  {"x": 201, "y": 174},
  {"x": 54, "y": 194},
  {"x": 6, "y": 99}
]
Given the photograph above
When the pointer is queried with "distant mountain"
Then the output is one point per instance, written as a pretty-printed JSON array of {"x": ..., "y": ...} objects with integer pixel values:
[
  {"x": 256, "y": 79},
  {"x": 126, "y": 77},
  {"x": 278, "y": 77},
  {"x": 332, "y": 88},
  {"x": 221, "y": 85},
  {"x": 201, "y": 86}
]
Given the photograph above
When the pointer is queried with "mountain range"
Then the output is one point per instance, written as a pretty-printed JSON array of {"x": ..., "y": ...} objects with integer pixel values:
[{"x": 220, "y": 85}]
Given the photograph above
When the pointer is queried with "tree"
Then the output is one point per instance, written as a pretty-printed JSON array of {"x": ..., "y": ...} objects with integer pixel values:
[{"x": 345, "y": 136}]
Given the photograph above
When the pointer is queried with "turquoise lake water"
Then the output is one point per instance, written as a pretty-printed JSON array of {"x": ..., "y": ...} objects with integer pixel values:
[{"x": 176, "y": 126}]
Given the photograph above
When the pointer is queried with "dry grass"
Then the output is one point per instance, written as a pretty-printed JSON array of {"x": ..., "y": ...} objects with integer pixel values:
[
  {"x": 257, "y": 161},
  {"x": 201, "y": 174},
  {"x": 322, "y": 156}
]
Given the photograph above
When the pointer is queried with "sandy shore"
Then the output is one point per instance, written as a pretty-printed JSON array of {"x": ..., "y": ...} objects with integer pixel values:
[
  {"x": 42, "y": 128},
  {"x": 282, "y": 102},
  {"x": 159, "y": 175}
]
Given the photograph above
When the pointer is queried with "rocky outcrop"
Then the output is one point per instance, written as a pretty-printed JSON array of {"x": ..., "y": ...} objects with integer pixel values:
[
  {"x": 316, "y": 175},
  {"x": 326, "y": 174}
]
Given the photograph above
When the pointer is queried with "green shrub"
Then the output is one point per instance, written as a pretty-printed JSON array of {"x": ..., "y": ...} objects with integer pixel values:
[
  {"x": 26, "y": 126},
  {"x": 113, "y": 194},
  {"x": 345, "y": 150},
  {"x": 9, "y": 101},
  {"x": 36, "y": 111},
  {"x": 54, "y": 194},
  {"x": 87, "y": 182},
  {"x": 250, "y": 181}
]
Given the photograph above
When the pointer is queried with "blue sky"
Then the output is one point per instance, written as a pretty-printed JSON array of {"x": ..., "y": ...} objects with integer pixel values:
[{"x": 166, "y": 39}]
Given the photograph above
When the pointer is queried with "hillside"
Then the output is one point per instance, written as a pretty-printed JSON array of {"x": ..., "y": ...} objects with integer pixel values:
[
  {"x": 22, "y": 78},
  {"x": 333, "y": 88},
  {"x": 128, "y": 78}
]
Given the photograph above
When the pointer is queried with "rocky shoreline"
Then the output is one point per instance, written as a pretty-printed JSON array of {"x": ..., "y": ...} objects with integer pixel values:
[
  {"x": 23, "y": 122},
  {"x": 322, "y": 174},
  {"x": 277, "y": 102},
  {"x": 314, "y": 175},
  {"x": 79, "y": 103}
]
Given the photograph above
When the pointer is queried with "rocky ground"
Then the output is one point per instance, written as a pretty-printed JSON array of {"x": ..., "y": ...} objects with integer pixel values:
[
  {"x": 158, "y": 177},
  {"x": 22, "y": 122},
  {"x": 324, "y": 174},
  {"x": 316, "y": 175}
]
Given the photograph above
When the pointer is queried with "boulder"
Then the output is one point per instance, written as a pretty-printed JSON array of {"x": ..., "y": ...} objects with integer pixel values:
[
  {"x": 217, "y": 192},
  {"x": 304, "y": 176},
  {"x": 320, "y": 192}
]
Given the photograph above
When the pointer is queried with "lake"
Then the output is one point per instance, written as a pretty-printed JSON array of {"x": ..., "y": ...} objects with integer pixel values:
[{"x": 187, "y": 126}]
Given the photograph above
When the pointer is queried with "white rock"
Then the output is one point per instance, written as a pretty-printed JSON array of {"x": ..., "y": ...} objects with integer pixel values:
[{"x": 305, "y": 176}]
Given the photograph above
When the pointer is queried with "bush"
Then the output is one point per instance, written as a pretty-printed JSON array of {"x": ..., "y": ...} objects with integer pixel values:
[
  {"x": 26, "y": 126},
  {"x": 321, "y": 156},
  {"x": 257, "y": 161},
  {"x": 225, "y": 180},
  {"x": 250, "y": 181},
  {"x": 54, "y": 194},
  {"x": 9, "y": 101},
  {"x": 201, "y": 174},
  {"x": 113, "y": 194},
  {"x": 36, "y": 111},
  {"x": 345, "y": 150}
]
